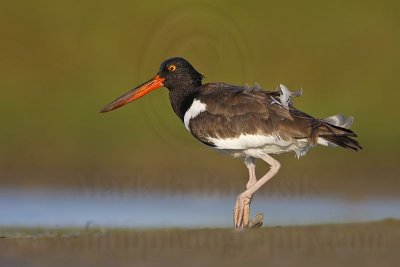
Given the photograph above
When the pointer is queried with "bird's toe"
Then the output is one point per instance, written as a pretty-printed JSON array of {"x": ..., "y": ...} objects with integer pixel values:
[
  {"x": 256, "y": 221},
  {"x": 241, "y": 213}
]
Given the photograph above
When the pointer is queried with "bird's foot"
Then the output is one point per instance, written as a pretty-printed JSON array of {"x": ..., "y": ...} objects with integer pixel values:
[
  {"x": 256, "y": 221},
  {"x": 241, "y": 212}
]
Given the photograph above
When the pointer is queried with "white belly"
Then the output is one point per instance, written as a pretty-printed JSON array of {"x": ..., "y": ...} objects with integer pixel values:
[{"x": 259, "y": 145}]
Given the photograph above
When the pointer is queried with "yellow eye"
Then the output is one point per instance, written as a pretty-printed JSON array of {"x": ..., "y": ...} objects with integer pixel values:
[{"x": 171, "y": 67}]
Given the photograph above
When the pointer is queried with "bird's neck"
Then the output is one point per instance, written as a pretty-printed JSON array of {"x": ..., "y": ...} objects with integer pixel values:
[{"x": 182, "y": 98}]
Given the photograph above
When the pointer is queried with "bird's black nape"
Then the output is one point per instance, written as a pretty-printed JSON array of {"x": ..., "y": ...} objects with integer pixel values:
[{"x": 179, "y": 74}]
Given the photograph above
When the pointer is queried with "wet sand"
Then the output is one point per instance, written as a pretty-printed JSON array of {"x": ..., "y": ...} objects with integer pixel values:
[{"x": 367, "y": 244}]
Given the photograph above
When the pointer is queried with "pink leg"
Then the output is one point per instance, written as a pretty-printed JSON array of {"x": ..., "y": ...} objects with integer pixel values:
[
  {"x": 251, "y": 165},
  {"x": 242, "y": 208}
]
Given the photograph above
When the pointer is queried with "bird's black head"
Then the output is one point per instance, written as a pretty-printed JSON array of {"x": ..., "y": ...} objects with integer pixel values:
[
  {"x": 175, "y": 73},
  {"x": 179, "y": 74}
]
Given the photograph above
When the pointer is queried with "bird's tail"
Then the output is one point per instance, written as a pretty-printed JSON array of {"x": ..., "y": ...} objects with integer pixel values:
[{"x": 334, "y": 131}]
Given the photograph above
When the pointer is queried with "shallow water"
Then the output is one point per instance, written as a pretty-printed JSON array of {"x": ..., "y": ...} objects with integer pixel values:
[{"x": 72, "y": 208}]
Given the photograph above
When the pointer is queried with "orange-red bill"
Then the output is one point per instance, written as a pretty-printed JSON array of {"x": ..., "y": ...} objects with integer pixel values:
[{"x": 135, "y": 93}]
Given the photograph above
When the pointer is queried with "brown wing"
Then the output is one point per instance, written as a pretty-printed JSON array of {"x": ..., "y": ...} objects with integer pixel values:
[{"x": 234, "y": 110}]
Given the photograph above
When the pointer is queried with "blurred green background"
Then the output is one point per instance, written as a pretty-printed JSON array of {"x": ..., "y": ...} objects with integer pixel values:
[{"x": 61, "y": 61}]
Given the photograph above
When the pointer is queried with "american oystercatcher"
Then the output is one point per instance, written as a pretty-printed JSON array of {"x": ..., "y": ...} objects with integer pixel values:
[{"x": 242, "y": 121}]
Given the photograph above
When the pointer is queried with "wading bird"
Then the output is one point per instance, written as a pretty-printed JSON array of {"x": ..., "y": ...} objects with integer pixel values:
[{"x": 242, "y": 121}]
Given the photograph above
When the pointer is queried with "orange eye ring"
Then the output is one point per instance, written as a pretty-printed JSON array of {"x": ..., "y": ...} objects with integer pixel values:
[{"x": 171, "y": 67}]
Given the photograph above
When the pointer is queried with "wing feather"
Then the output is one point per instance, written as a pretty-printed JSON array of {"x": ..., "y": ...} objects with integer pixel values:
[{"x": 233, "y": 110}]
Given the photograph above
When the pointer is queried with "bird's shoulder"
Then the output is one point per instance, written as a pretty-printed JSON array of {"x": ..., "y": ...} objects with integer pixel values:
[
  {"x": 233, "y": 90},
  {"x": 232, "y": 100}
]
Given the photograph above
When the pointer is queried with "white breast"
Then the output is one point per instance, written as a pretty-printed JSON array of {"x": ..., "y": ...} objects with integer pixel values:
[
  {"x": 258, "y": 145},
  {"x": 195, "y": 109},
  {"x": 246, "y": 141}
]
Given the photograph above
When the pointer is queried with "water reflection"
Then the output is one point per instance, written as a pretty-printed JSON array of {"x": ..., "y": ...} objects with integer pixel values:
[{"x": 73, "y": 208}]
